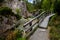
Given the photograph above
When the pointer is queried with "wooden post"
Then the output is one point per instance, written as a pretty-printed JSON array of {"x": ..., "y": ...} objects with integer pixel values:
[
  {"x": 38, "y": 21},
  {"x": 24, "y": 34},
  {"x": 30, "y": 25}
]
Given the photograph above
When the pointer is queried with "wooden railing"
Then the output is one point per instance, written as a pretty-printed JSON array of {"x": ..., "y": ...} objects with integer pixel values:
[{"x": 31, "y": 25}]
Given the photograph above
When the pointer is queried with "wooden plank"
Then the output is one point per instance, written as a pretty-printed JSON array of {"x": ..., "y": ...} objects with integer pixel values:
[{"x": 33, "y": 19}]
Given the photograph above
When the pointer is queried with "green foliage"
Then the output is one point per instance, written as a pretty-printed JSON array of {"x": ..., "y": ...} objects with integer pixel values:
[
  {"x": 1, "y": 38},
  {"x": 55, "y": 32},
  {"x": 53, "y": 18},
  {"x": 52, "y": 2},
  {"x": 7, "y": 11},
  {"x": 54, "y": 35},
  {"x": 55, "y": 28},
  {"x": 19, "y": 36},
  {"x": 21, "y": 39},
  {"x": 17, "y": 10},
  {"x": 46, "y": 5},
  {"x": 30, "y": 6},
  {"x": 1, "y": 1},
  {"x": 18, "y": 16},
  {"x": 37, "y": 4},
  {"x": 57, "y": 7}
]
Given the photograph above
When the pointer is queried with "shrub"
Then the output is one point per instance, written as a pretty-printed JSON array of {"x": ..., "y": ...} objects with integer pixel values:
[
  {"x": 13, "y": 35},
  {"x": 7, "y": 11},
  {"x": 57, "y": 7},
  {"x": 1, "y": 1},
  {"x": 19, "y": 36},
  {"x": 18, "y": 12},
  {"x": 55, "y": 28}
]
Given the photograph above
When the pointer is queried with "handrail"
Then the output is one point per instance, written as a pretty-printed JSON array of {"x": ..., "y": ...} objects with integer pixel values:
[
  {"x": 12, "y": 27},
  {"x": 39, "y": 18},
  {"x": 33, "y": 19},
  {"x": 42, "y": 16}
]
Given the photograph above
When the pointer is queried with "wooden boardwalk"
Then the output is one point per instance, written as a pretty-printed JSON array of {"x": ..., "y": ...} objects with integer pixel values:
[{"x": 40, "y": 34}]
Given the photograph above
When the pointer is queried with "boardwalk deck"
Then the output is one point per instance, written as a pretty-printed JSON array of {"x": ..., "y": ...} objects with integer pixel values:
[{"x": 40, "y": 34}]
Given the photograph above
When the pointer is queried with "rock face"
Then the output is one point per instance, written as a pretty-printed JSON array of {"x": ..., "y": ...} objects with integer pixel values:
[
  {"x": 6, "y": 22},
  {"x": 17, "y": 4}
]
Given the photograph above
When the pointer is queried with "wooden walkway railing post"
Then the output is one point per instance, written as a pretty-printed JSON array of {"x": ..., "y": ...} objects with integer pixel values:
[
  {"x": 24, "y": 33},
  {"x": 39, "y": 18},
  {"x": 29, "y": 30},
  {"x": 30, "y": 25}
]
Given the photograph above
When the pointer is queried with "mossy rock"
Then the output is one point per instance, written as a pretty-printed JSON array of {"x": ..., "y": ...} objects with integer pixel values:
[
  {"x": 10, "y": 19},
  {"x": 7, "y": 11}
]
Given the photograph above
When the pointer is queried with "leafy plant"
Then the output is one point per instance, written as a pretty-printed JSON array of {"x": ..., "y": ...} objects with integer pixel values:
[
  {"x": 29, "y": 6},
  {"x": 8, "y": 11},
  {"x": 5, "y": 10},
  {"x": 18, "y": 10},
  {"x": 57, "y": 7},
  {"x": 1, "y": 1},
  {"x": 19, "y": 36},
  {"x": 55, "y": 28},
  {"x": 45, "y": 3}
]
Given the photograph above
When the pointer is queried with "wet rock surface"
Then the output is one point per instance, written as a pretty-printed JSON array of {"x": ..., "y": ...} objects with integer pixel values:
[{"x": 6, "y": 22}]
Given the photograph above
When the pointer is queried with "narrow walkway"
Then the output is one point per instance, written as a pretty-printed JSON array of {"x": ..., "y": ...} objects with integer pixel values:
[
  {"x": 40, "y": 34},
  {"x": 45, "y": 21}
]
